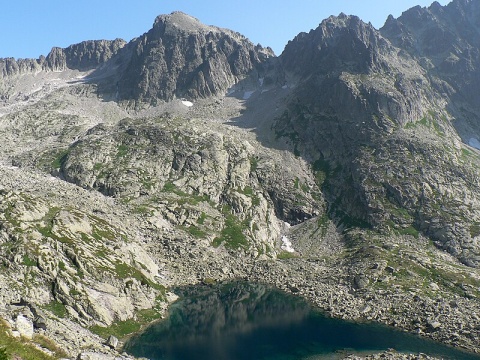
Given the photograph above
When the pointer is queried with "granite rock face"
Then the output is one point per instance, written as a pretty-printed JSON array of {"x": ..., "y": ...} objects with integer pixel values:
[
  {"x": 86, "y": 55},
  {"x": 361, "y": 102},
  {"x": 182, "y": 58},
  {"x": 445, "y": 40}
]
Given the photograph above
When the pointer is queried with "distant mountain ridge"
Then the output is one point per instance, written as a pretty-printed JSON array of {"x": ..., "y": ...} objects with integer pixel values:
[
  {"x": 178, "y": 57},
  {"x": 86, "y": 55}
]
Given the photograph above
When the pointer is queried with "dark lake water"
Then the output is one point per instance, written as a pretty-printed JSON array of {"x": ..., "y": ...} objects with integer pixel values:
[{"x": 240, "y": 321}]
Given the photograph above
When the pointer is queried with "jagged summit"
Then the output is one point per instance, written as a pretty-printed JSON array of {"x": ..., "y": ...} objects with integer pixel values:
[
  {"x": 180, "y": 21},
  {"x": 337, "y": 42},
  {"x": 178, "y": 57},
  {"x": 181, "y": 57}
]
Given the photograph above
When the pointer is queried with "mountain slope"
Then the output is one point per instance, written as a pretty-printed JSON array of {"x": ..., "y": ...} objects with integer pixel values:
[
  {"x": 336, "y": 171},
  {"x": 369, "y": 115},
  {"x": 446, "y": 41}
]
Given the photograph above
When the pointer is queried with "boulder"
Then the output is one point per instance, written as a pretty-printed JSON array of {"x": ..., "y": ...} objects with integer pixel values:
[
  {"x": 24, "y": 326},
  {"x": 40, "y": 323},
  {"x": 112, "y": 342}
]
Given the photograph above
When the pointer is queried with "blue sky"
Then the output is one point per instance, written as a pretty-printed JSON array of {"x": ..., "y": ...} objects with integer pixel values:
[{"x": 30, "y": 28}]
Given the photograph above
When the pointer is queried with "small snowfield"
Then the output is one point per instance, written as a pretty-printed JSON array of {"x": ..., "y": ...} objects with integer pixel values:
[{"x": 287, "y": 245}]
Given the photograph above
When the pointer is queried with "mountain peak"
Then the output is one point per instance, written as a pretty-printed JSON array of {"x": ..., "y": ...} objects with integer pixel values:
[
  {"x": 338, "y": 40},
  {"x": 180, "y": 20},
  {"x": 181, "y": 57}
]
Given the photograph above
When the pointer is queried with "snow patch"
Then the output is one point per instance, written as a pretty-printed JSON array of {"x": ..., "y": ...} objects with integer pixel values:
[
  {"x": 260, "y": 81},
  {"x": 287, "y": 245},
  {"x": 285, "y": 87},
  {"x": 247, "y": 94},
  {"x": 473, "y": 142},
  {"x": 187, "y": 103}
]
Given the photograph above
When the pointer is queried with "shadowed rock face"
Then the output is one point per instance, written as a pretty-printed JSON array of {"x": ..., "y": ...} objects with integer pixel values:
[
  {"x": 446, "y": 41},
  {"x": 338, "y": 42},
  {"x": 362, "y": 101},
  {"x": 181, "y": 57}
]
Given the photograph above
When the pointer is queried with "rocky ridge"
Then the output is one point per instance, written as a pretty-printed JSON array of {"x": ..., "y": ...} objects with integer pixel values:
[
  {"x": 182, "y": 58},
  {"x": 86, "y": 55},
  {"x": 395, "y": 116}
]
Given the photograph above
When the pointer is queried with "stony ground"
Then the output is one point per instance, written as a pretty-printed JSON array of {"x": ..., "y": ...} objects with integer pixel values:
[{"x": 81, "y": 249}]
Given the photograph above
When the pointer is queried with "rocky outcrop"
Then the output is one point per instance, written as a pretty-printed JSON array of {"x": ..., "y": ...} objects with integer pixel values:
[
  {"x": 205, "y": 171},
  {"x": 445, "y": 40},
  {"x": 10, "y": 66},
  {"x": 181, "y": 57},
  {"x": 86, "y": 55},
  {"x": 359, "y": 98}
]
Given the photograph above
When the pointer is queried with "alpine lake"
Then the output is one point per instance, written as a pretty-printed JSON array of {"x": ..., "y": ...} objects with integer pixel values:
[{"x": 240, "y": 321}]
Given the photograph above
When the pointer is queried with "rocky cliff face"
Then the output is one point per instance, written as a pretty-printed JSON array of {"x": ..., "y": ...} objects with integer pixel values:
[
  {"x": 445, "y": 40},
  {"x": 359, "y": 99},
  {"x": 178, "y": 58},
  {"x": 181, "y": 57},
  {"x": 210, "y": 174},
  {"x": 86, "y": 55}
]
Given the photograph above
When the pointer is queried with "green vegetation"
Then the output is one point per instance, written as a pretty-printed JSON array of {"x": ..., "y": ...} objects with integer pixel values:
[
  {"x": 124, "y": 271},
  {"x": 46, "y": 230},
  {"x": 209, "y": 281},
  {"x": 53, "y": 159},
  {"x": 122, "y": 150},
  {"x": 429, "y": 121},
  {"x": 56, "y": 308},
  {"x": 475, "y": 229},
  {"x": 232, "y": 234},
  {"x": 286, "y": 255},
  {"x": 410, "y": 230},
  {"x": 49, "y": 344},
  {"x": 322, "y": 223},
  {"x": 121, "y": 329},
  {"x": 201, "y": 219},
  {"x": 60, "y": 159},
  {"x": 415, "y": 267},
  {"x": 322, "y": 170},
  {"x": 196, "y": 232},
  {"x": 248, "y": 191},
  {"x": 253, "y": 164},
  {"x": 469, "y": 156},
  {"x": 29, "y": 262},
  {"x": 97, "y": 166},
  {"x": 13, "y": 348},
  {"x": 191, "y": 199}
]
